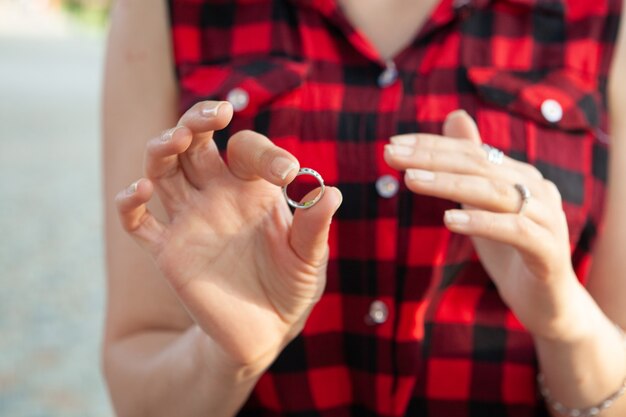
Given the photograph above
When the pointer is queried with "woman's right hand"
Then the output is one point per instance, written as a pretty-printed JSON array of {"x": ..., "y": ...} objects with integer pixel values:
[{"x": 246, "y": 269}]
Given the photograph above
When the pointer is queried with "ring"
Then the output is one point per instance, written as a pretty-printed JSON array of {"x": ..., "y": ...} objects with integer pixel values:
[
  {"x": 311, "y": 203},
  {"x": 525, "y": 194},
  {"x": 494, "y": 155}
]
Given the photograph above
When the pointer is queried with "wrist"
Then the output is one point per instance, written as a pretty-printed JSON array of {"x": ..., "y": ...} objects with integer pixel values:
[
  {"x": 212, "y": 358},
  {"x": 588, "y": 378},
  {"x": 575, "y": 316}
]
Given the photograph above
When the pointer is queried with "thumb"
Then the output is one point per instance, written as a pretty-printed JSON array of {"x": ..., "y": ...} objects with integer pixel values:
[
  {"x": 309, "y": 230},
  {"x": 460, "y": 125}
]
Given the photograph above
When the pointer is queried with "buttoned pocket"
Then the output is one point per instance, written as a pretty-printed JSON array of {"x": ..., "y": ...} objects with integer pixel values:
[
  {"x": 266, "y": 95},
  {"x": 550, "y": 119},
  {"x": 558, "y": 98},
  {"x": 250, "y": 85}
]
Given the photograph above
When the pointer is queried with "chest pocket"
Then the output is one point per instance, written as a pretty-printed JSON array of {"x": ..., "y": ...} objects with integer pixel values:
[
  {"x": 560, "y": 99},
  {"x": 264, "y": 93},
  {"x": 549, "y": 119}
]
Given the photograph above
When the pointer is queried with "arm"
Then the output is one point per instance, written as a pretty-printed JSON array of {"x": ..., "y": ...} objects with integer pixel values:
[
  {"x": 597, "y": 364},
  {"x": 581, "y": 353},
  {"x": 243, "y": 272},
  {"x": 155, "y": 360},
  {"x": 607, "y": 282}
]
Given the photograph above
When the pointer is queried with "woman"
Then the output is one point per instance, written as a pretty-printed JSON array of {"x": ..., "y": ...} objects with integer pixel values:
[{"x": 452, "y": 274}]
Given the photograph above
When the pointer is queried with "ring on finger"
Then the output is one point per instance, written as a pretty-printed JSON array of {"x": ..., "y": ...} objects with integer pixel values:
[
  {"x": 494, "y": 155},
  {"x": 525, "y": 195},
  {"x": 310, "y": 203}
]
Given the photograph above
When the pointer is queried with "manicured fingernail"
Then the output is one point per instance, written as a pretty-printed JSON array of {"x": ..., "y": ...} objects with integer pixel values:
[
  {"x": 456, "y": 217},
  {"x": 281, "y": 167},
  {"x": 453, "y": 115},
  {"x": 457, "y": 113},
  {"x": 211, "y": 110},
  {"x": 132, "y": 189},
  {"x": 399, "y": 150},
  {"x": 340, "y": 200},
  {"x": 420, "y": 175},
  {"x": 407, "y": 140},
  {"x": 168, "y": 134}
]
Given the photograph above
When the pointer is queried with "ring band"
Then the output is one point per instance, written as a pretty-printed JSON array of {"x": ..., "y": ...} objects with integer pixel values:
[
  {"x": 525, "y": 194},
  {"x": 311, "y": 203},
  {"x": 494, "y": 155}
]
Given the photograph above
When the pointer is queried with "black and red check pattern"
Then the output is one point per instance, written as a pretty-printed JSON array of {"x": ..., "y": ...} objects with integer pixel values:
[{"x": 450, "y": 347}]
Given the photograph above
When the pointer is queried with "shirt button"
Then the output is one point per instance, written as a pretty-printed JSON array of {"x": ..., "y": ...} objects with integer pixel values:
[
  {"x": 388, "y": 76},
  {"x": 239, "y": 98},
  {"x": 552, "y": 111},
  {"x": 378, "y": 313},
  {"x": 387, "y": 186}
]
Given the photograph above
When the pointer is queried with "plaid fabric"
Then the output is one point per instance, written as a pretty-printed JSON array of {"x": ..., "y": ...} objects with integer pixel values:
[{"x": 449, "y": 346}]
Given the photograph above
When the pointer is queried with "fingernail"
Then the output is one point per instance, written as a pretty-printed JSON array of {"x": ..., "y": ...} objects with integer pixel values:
[
  {"x": 420, "y": 175},
  {"x": 168, "y": 134},
  {"x": 211, "y": 110},
  {"x": 281, "y": 167},
  {"x": 456, "y": 217},
  {"x": 399, "y": 150},
  {"x": 457, "y": 113},
  {"x": 340, "y": 200},
  {"x": 132, "y": 189},
  {"x": 407, "y": 140}
]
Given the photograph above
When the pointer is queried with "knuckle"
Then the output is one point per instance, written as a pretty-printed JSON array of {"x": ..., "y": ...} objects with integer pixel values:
[
  {"x": 426, "y": 157},
  {"x": 523, "y": 227},
  {"x": 503, "y": 190},
  {"x": 481, "y": 164},
  {"x": 487, "y": 223},
  {"x": 550, "y": 187},
  {"x": 552, "y": 190},
  {"x": 479, "y": 159},
  {"x": 455, "y": 184},
  {"x": 422, "y": 140},
  {"x": 534, "y": 172}
]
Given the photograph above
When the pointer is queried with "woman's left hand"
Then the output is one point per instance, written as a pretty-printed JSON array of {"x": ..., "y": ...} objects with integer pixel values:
[{"x": 527, "y": 253}]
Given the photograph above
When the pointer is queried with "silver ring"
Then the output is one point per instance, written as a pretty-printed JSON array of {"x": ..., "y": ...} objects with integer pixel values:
[
  {"x": 494, "y": 155},
  {"x": 311, "y": 203},
  {"x": 525, "y": 194}
]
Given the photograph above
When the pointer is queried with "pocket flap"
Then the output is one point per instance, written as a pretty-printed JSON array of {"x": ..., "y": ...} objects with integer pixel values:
[
  {"x": 263, "y": 81},
  {"x": 559, "y": 98}
]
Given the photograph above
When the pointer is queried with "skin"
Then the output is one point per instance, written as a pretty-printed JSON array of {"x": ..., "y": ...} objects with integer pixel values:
[{"x": 203, "y": 303}]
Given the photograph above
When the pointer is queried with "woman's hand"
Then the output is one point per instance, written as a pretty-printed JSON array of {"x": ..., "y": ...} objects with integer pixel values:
[
  {"x": 526, "y": 254},
  {"x": 246, "y": 269}
]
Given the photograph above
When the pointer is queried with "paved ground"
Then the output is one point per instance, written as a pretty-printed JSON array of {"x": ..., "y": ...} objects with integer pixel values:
[{"x": 51, "y": 261}]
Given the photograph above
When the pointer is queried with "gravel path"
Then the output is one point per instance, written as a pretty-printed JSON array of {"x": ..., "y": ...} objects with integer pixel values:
[{"x": 51, "y": 249}]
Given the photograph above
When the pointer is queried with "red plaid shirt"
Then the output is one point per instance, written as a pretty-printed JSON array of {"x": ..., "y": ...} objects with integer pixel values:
[{"x": 410, "y": 324}]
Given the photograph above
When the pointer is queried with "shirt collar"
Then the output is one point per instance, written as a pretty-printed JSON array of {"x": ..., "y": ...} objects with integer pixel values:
[
  {"x": 548, "y": 5},
  {"x": 329, "y": 6},
  {"x": 443, "y": 13}
]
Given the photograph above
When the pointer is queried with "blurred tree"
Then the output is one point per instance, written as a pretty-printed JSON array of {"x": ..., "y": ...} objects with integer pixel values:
[{"x": 91, "y": 11}]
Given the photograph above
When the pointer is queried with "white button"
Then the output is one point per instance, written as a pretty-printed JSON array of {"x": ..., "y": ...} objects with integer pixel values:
[
  {"x": 378, "y": 313},
  {"x": 388, "y": 76},
  {"x": 387, "y": 186},
  {"x": 239, "y": 98},
  {"x": 552, "y": 111}
]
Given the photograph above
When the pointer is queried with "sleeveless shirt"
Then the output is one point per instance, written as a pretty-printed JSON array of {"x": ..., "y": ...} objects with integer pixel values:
[{"x": 410, "y": 323}]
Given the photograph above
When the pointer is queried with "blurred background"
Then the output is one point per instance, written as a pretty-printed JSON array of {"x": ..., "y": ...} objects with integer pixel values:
[{"x": 51, "y": 241}]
